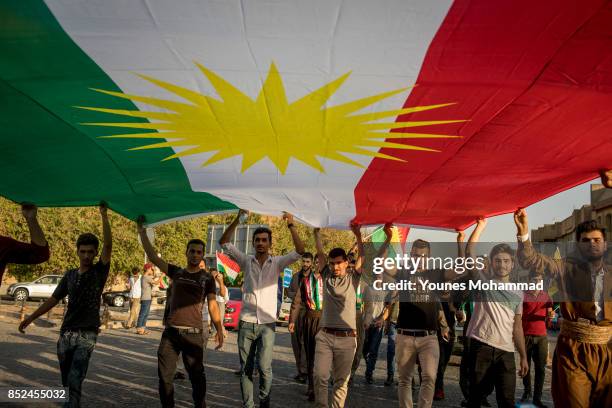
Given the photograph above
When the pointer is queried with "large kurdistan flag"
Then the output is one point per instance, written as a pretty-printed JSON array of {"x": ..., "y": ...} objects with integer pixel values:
[{"x": 421, "y": 112}]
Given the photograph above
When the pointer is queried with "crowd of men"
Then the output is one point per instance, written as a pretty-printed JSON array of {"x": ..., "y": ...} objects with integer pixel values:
[{"x": 337, "y": 317}]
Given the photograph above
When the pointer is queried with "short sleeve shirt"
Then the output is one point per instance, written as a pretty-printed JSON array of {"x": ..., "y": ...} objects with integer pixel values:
[
  {"x": 147, "y": 287},
  {"x": 84, "y": 291},
  {"x": 492, "y": 320},
  {"x": 339, "y": 300},
  {"x": 188, "y": 292}
]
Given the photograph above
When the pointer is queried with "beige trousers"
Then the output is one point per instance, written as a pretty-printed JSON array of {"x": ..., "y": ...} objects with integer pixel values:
[
  {"x": 332, "y": 354},
  {"x": 407, "y": 349},
  {"x": 134, "y": 309}
]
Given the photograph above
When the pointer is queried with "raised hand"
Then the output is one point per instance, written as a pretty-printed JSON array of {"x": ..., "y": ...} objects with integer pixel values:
[
  {"x": 140, "y": 223},
  {"x": 29, "y": 211},
  {"x": 388, "y": 228},
  {"x": 288, "y": 217},
  {"x": 520, "y": 219},
  {"x": 606, "y": 177},
  {"x": 103, "y": 208},
  {"x": 460, "y": 236}
]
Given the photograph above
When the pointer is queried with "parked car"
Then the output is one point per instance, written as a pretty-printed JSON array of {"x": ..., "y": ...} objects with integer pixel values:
[
  {"x": 40, "y": 288},
  {"x": 232, "y": 309},
  {"x": 117, "y": 298},
  {"x": 283, "y": 314}
]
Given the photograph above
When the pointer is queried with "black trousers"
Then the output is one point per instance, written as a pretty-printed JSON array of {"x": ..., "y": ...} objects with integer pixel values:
[
  {"x": 173, "y": 343},
  {"x": 446, "y": 350},
  {"x": 537, "y": 351},
  {"x": 491, "y": 366},
  {"x": 310, "y": 328}
]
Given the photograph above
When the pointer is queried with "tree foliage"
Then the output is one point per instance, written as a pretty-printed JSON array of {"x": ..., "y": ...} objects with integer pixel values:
[{"x": 62, "y": 226}]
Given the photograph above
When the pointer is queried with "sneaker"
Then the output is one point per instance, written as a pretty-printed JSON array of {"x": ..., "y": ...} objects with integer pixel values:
[
  {"x": 179, "y": 375},
  {"x": 439, "y": 395},
  {"x": 369, "y": 379},
  {"x": 389, "y": 381},
  {"x": 300, "y": 378}
]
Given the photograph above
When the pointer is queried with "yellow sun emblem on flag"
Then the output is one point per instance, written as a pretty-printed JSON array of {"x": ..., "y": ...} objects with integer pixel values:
[{"x": 268, "y": 126}]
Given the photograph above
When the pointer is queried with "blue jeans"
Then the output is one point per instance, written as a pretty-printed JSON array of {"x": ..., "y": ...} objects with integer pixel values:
[
  {"x": 255, "y": 341},
  {"x": 74, "y": 350},
  {"x": 143, "y": 315},
  {"x": 391, "y": 349},
  {"x": 373, "y": 336}
]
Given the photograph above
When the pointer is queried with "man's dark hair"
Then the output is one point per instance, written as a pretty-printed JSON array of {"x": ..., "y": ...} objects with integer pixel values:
[
  {"x": 307, "y": 255},
  {"x": 421, "y": 243},
  {"x": 588, "y": 226},
  {"x": 88, "y": 239},
  {"x": 263, "y": 230},
  {"x": 196, "y": 241},
  {"x": 502, "y": 249},
  {"x": 336, "y": 252},
  {"x": 135, "y": 270}
]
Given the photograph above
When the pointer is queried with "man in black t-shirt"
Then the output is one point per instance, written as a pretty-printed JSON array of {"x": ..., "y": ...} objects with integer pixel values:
[
  {"x": 183, "y": 320},
  {"x": 79, "y": 331},
  {"x": 420, "y": 317}
]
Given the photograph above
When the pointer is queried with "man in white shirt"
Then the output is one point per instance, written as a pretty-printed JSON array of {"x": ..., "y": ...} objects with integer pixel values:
[
  {"x": 258, "y": 314},
  {"x": 134, "y": 285},
  {"x": 495, "y": 329}
]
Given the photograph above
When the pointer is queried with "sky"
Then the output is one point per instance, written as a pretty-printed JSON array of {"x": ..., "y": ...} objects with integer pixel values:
[{"x": 502, "y": 228}]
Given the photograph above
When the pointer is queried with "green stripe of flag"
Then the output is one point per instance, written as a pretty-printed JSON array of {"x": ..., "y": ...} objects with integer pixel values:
[{"x": 47, "y": 156}]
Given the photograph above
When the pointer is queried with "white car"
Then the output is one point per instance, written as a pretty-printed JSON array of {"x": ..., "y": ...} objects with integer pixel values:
[{"x": 40, "y": 288}]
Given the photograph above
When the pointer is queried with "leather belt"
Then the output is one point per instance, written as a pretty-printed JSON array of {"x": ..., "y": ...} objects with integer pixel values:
[
  {"x": 340, "y": 332},
  {"x": 190, "y": 330},
  {"x": 416, "y": 333}
]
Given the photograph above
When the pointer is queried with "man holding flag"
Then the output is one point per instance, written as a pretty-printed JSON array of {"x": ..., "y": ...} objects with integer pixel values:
[
  {"x": 257, "y": 325},
  {"x": 306, "y": 313}
]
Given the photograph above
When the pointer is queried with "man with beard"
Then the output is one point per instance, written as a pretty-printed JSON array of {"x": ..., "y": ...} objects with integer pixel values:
[
  {"x": 256, "y": 330},
  {"x": 495, "y": 329},
  {"x": 297, "y": 337},
  {"x": 582, "y": 363},
  {"x": 306, "y": 314},
  {"x": 336, "y": 340},
  {"x": 183, "y": 319}
]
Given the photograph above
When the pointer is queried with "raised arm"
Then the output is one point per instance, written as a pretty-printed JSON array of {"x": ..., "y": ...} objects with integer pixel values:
[
  {"x": 606, "y": 177},
  {"x": 227, "y": 234},
  {"x": 481, "y": 224},
  {"x": 359, "y": 262},
  {"x": 460, "y": 246},
  {"x": 297, "y": 242},
  {"x": 107, "y": 247},
  {"x": 148, "y": 247},
  {"x": 382, "y": 251},
  {"x": 37, "y": 235},
  {"x": 219, "y": 282},
  {"x": 527, "y": 256},
  {"x": 321, "y": 258}
]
